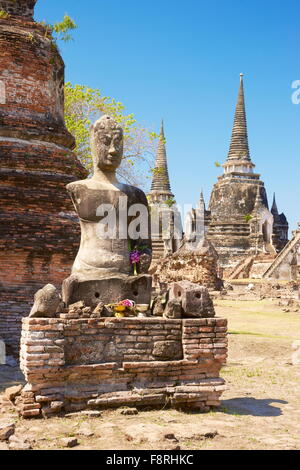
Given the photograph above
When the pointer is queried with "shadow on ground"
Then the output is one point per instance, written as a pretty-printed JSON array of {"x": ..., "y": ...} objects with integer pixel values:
[
  {"x": 10, "y": 376},
  {"x": 252, "y": 406}
]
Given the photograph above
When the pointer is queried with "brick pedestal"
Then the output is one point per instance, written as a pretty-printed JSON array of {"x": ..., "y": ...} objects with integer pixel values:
[{"x": 73, "y": 365}]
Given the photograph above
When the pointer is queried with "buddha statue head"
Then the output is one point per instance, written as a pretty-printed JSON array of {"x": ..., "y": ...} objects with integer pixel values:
[{"x": 106, "y": 144}]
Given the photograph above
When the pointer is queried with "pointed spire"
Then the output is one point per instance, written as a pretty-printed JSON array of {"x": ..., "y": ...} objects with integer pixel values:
[
  {"x": 162, "y": 130},
  {"x": 239, "y": 146},
  {"x": 161, "y": 181},
  {"x": 201, "y": 200},
  {"x": 259, "y": 202},
  {"x": 274, "y": 209},
  {"x": 202, "y": 197},
  {"x": 201, "y": 204}
]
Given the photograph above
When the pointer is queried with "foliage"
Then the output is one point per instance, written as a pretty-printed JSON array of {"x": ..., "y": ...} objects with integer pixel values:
[
  {"x": 62, "y": 28},
  {"x": 248, "y": 217},
  {"x": 83, "y": 105},
  {"x": 60, "y": 31},
  {"x": 170, "y": 202},
  {"x": 4, "y": 14}
]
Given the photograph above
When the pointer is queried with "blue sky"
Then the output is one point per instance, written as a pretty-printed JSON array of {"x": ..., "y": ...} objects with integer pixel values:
[{"x": 181, "y": 61}]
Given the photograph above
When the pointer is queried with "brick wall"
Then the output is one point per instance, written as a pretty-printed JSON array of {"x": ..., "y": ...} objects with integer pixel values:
[
  {"x": 72, "y": 365},
  {"x": 39, "y": 234}
]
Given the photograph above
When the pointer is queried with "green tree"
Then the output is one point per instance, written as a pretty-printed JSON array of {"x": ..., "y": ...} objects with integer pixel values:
[
  {"x": 60, "y": 31},
  {"x": 83, "y": 105}
]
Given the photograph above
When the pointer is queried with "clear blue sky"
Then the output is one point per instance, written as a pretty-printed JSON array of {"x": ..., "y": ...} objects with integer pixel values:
[{"x": 181, "y": 61}]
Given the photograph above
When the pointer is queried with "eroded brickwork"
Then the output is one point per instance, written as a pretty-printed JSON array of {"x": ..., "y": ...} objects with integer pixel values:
[
  {"x": 39, "y": 234},
  {"x": 71, "y": 365}
]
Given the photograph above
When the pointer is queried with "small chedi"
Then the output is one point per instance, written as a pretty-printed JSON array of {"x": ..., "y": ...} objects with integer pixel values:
[
  {"x": 198, "y": 265},
  {"x": 101, "y": 345}
]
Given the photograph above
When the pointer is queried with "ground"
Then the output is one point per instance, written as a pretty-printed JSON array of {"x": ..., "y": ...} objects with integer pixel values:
[{"x": 260, "y": 409}]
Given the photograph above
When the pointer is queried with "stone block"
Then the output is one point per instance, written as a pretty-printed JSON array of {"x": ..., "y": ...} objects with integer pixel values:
[
  {"x": 108, "y": 290},
  {"x": 46, "y": 302},
  {"x": 195, "y": 299},
  {"x": 173, "y": 309}
]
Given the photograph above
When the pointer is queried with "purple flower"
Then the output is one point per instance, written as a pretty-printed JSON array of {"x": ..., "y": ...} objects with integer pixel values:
[
  {"x": 127, "y": 303},
  {"x": 135, "y": 257}
]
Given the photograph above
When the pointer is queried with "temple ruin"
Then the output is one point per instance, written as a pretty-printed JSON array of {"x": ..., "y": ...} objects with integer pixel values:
[
  {"x": 239, "y": 223},
  {"x": 105, "y": 350},
  {"x": 167, "y": 235},
  {"x": 39, "y": 232}
]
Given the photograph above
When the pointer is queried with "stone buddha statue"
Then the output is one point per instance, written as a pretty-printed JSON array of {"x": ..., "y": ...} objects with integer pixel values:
[{"x": 103, "y": 269}]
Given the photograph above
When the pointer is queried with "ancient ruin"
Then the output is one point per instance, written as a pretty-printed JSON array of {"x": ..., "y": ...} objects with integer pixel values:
[
  {"x": 39, "y": 233},
  {"x": 239, "y": 222},
  {"x": 117, "y": 353},
  {"x": 286, "y": 266},
  {"x": 167, "y": 234},
  {"x": 199, "y": 265}
]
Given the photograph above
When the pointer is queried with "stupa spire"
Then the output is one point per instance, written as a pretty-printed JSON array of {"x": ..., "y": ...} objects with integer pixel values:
[
  {"x": 161, "y": 180},
  {"x": 239, "y": 146},
  {"x": 274, "y": 209}
]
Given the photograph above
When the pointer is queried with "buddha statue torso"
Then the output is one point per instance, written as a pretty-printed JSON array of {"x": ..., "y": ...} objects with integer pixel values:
[{"x": 99, "y": 256}]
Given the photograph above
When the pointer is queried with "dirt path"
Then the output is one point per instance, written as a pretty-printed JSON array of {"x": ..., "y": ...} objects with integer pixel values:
[{"x": 260, "y": 409}]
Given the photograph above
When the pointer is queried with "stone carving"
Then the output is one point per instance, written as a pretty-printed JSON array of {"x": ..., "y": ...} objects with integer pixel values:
[
  {"x": 102, "y": 270},
  {"x": 46, "y": 302},
  {"x": 195, "y": 299}
]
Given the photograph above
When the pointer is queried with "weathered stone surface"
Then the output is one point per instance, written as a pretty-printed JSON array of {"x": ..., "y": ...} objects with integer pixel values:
[
  {"x": 46, "y": 302},
  {"x": 109, "y": 289},
  {"x": 173, "y": 309},
  {"x": 195, "y": 299},
  {"x": 199, "y": 266},
  {"x": 12, "y": 392},
  {"x": 23, "y": 8},
  {"x": 69, "y": 442},
  {"x": 159, "y": 305},
  {"x": 19, "y": 443},
  {"x": 7, "y": 429}
]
